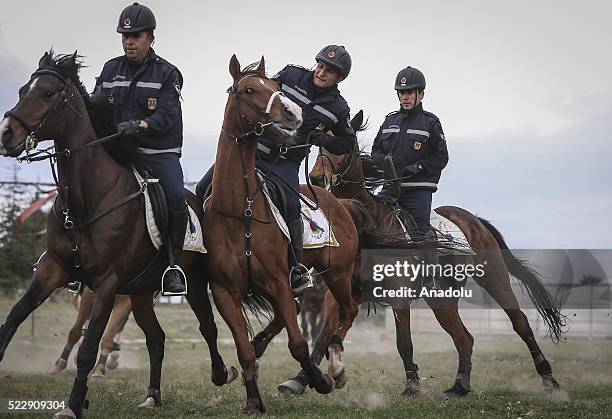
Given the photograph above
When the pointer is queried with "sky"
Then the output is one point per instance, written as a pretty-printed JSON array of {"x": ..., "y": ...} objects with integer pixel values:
[{"x": 522, "y": 88}]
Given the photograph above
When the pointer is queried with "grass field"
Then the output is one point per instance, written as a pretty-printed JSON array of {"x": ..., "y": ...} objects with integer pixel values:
[{"x": 503, "y": 379}]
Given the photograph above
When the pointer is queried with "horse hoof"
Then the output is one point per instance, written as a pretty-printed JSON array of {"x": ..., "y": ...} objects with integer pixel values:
[
  {"x": 253, "y": 407},
  {"x": 341, "y": 379},
  {"x": 112, "y": 363},
  {"x": 60, "y": 365},
  {"x": 232, "y": 375},
  {"x": 67, "y": 413},
  {"x": 149, "y": 403},
  {"x": 325, "y": 386},
  {"x": 550, "y": 384},
  {"x": 455, "y": 391},
  {"x": 98, "y": 373},
  {"x": 291, "y": 387}
]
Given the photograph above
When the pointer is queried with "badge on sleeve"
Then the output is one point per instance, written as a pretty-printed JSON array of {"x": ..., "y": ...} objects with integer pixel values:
[
  {"x": 152, "y": 103},
  {"x": 417, "y": 145}
]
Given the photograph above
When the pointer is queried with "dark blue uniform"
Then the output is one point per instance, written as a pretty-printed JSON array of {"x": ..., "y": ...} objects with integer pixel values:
[
  {"x": 321, "y": 109},
  {"x": 150, "y": 91},
  {"x": 411, "y": 137}
]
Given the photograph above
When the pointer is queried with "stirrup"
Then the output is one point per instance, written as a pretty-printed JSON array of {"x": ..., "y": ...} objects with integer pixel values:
[
  {"x": 303, "y": 272},
  {"x": 74, "y": 287},
  {"x": 183, "y": 278}
]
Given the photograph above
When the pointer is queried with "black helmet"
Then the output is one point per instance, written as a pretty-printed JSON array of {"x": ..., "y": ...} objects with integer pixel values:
[
  {"x": 337, "y": 57},
  {"x": 409, "y": 78},
  {"x": 136, "y": 18}
]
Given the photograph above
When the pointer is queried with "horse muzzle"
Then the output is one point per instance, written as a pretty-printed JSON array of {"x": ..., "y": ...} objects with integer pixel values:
[{"x": 10, "y": 144}]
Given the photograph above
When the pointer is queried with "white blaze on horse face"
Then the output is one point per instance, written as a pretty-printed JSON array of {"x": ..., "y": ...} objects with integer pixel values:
[
  {"x": 33, "y": 84},
  {"x": 293, "y": 109}
]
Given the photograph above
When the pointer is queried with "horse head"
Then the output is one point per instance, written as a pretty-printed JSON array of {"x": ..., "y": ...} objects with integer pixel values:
[
  {"x": 256, "y": 103},
  {"x": 40, "y": 112},
  {"x": 328, "y": 166}
]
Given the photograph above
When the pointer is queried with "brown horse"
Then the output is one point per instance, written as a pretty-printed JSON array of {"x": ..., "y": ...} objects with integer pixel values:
[
  {"x": 110, "y": 340},
  {"x": 247, "y": 259},
  {"x": 111, "y": 254},
  {"x": 344, "y": 176}
]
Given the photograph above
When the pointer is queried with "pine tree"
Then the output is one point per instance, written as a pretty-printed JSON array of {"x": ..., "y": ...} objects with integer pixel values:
[{"x": 20, "y": 245}]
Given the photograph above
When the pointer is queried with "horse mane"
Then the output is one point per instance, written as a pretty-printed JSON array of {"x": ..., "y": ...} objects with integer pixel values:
[{"x": 100, "y": 112}]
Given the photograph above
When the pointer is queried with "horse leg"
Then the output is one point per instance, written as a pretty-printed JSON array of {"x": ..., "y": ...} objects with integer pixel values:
[
  {"x": 113, "y": 362},
  {"x": 312, "y": 324},
  {"x": 229, "y": 307},
  {"x": 284, "y": 306},
  {"x": 118, "y": 318},
  {"x": 403, "y": 341},
  {"x": 200, "y": 305},
  {"x": 501, "y": 292},
  {"x": 75, "y": 333},
  {"x": 447, "y": 314},
  {"x": 48, "y": 276},
  {"x": 340, "y": 323},
  {"x": 142, "y": 307},
  {"x": 263, "y": 338},
  {"x": 296, "y": 385},
  {"x": 86, "y": 356}
]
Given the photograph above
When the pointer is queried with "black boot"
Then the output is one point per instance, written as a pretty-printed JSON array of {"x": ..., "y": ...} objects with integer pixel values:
[
  {"x": 299, "y": 276},
  {"x": 174, "y": 281}
]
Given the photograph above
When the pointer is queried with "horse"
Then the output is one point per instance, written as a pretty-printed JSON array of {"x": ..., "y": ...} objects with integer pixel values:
[
  {"x": 110, "y": 343},
  {"x": 110, "y": 254},
  {"x": 247, "y": 254},
  {"x": 344, "y": 177}
]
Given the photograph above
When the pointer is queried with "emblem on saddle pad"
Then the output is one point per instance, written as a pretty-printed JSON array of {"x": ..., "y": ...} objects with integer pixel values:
[
  {"x": 417, "y": 145},
  {"x": 127, "y": 23},
  {"x": 152, "y": 103}
]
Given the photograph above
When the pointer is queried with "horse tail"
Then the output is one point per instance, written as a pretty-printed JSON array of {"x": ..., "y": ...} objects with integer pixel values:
[{"x": 532, "y": 282}]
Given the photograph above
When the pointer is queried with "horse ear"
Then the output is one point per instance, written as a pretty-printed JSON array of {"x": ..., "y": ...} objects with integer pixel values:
[
  {"x": 234, "y": 67},
  {"x": 261, "y": 68},
  {"x": 73, "y": 57},
  {"x": 43, "y": 60},
  {"x": 357, "y": 120}
]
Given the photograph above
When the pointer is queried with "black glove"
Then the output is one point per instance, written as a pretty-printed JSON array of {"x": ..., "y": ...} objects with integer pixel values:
[
  {"x": 129, "y": 128},
  {"x": 413, "y": 169},
  {"x": 319, "y": 138}
]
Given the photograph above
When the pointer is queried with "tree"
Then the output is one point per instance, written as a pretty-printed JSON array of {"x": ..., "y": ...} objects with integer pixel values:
[{"x": 20, "y": 245}]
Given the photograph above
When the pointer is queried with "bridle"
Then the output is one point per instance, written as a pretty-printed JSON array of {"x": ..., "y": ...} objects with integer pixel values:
[
  {"x": 31, "y": 141},
  {"x": 258, "y": 127}
]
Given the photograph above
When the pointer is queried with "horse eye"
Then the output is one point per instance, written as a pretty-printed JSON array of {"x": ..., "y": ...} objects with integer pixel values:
[
  {"x": 49, "y": 93},
  {"x": 249, "y": 90}
]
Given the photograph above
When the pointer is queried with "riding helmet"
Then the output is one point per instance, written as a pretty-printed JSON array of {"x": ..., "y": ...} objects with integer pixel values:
[
  {"x": 136, "y": 18},
  {"x": 410, "y": 78},
  {"x": 337, "y": 57}
]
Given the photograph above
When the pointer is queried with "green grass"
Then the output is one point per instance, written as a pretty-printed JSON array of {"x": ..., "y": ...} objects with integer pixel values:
[{"x": 503, "y": 379}]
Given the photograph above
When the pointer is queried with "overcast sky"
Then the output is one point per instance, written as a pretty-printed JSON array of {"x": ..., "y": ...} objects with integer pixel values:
[{"x": 522, "y": 88}]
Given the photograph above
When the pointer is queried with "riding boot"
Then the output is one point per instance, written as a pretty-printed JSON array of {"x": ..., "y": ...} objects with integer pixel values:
[
  {"x": 174, "y": 281},
  {"x": 299, "y": 276}
]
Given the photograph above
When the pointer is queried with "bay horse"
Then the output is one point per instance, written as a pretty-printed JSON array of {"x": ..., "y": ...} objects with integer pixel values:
[
  {"x": 85, "y": 243},
  {"x": 344, "y": 177},
  {"x": 247, "y": 254},
  {"x": 109, "y": 345}
]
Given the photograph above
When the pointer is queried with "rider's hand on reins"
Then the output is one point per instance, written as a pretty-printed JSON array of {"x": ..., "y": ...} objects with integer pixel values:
[{"x": 131, "y": 127}]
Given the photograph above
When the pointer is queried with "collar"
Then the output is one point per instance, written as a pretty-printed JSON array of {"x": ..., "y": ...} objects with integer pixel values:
[{"x": 413, "y": 111}]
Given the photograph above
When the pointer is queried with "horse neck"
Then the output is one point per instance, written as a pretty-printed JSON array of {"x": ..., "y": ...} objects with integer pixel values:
[
  {"x": 229, "y": 175},
  {"x": 90, "y": 173},
  {"x": 353, "y": 174}
]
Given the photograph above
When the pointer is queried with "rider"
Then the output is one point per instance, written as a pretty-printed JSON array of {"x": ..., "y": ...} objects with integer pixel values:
[
  {"x": 323, "y": 110},
  {"x": 414, "y": 139},
  {"x": 144, "y": 91}
]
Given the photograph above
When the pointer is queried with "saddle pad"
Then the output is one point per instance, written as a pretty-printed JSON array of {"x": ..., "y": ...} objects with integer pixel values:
[
  {"x": 448, "y": 232},
  {"x": 317, "y": 231},
  {"x": 194, "y": 242}
]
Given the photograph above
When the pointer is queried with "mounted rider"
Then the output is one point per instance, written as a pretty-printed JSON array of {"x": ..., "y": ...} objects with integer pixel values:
[
  {"x": 144, "y": 91},
  {"x": 326, "y": 123},
  {"x": 414, "y": 139}
]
